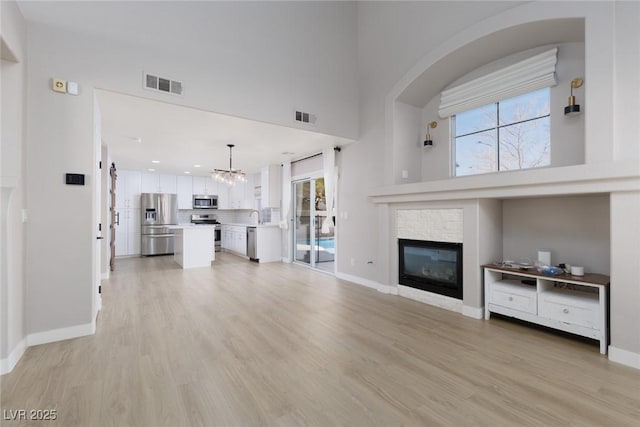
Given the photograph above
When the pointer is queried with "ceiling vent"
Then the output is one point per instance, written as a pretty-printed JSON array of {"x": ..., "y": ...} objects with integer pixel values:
[
  {"x": 162, "y": 84},
  {"x": 302, "y": 117}
]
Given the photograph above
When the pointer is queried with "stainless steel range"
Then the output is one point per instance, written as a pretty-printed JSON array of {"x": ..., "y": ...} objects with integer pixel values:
[{"x": 210, "y": 219}]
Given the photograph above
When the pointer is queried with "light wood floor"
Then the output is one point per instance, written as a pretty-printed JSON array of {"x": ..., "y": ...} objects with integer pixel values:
[{"x": 271, "y": 344}]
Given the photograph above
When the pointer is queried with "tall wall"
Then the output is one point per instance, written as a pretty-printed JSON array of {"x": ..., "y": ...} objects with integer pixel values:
[
  {"x": 254, "y": 60},
  {"x": 13, "y": 76},
  {"x": 392, "y": 37}
]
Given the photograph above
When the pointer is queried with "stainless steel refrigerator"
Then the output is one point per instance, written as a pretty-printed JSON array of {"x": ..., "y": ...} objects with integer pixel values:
[{"x": 158, "y": 210}]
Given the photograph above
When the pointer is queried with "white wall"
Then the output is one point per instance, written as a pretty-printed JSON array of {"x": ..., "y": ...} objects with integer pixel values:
[
  {"x": 625, "y": 276},
  {"x": 12, "y": 328},
  {"x": 574, "y": 229},
  {"x": 257, "y": 60},
  {"x": 392, "y": 37}
]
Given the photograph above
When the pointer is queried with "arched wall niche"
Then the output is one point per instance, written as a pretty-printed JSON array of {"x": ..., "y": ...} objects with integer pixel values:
[
  {"x": 492, "y": 47},
  {"x": 516, "y": 30}
]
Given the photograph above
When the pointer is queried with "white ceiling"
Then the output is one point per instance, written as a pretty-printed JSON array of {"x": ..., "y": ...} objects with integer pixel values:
[{"x": 181, "y": 137}]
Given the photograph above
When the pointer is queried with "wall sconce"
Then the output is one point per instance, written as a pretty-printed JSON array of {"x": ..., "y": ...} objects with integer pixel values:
[
  {"x": 428, "y": 142},
  {"x": 572, "y": 109}
]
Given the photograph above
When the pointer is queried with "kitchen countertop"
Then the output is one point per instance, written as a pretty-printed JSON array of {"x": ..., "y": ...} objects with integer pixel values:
[
  {"x": 190, "y": 226},
  {"x": 253, "y": 225}
]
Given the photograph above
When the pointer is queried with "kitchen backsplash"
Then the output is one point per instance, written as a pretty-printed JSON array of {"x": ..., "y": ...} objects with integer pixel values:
[{"x": 233, "y": 216}]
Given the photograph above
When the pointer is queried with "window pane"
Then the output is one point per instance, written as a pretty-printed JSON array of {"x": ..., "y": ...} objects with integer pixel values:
[
  {"x": 524, "y": 107},
  {"x": 476, "y": 153},
  {"x": 474, "y": 120},
  {"x": 525, "y": 145}
]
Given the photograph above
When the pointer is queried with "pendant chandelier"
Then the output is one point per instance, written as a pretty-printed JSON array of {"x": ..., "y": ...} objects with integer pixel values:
[{"x": 231, "y": 176}]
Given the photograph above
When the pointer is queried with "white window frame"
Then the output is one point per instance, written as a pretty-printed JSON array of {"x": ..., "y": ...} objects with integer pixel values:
[{"x": 497, "y": 127}]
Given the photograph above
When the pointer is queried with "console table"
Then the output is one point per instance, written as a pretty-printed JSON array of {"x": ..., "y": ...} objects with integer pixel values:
[{"x": 575, "y": 304}]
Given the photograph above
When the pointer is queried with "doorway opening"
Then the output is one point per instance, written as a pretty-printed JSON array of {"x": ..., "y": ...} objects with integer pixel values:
[{"x": 314, "y": 239}]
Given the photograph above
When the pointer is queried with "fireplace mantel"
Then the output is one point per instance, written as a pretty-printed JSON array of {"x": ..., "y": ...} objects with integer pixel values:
[{"x": 555, "y": 181}]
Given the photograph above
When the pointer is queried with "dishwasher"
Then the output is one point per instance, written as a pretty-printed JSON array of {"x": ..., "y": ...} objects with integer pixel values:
[{"x": 252, "y": 243}]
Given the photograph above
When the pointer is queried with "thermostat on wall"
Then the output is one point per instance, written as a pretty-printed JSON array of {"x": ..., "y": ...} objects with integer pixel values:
[{"x": 75, "y": 179}]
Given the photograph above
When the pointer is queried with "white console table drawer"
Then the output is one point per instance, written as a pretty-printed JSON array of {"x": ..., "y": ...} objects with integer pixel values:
[
  {"x": 583, "y": 310},
  {"x": 513, "y": 294}
]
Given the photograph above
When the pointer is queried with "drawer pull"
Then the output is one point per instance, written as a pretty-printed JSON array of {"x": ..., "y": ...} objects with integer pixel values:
[{"x": 565, "y": 311}]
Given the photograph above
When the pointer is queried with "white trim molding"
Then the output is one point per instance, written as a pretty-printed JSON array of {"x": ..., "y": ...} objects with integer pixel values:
[
  {"x": 385, "y": 289},
  {"x": 61, "y": 334},
  {"x": 624, "y": 357},
  {"x": 473, "y": 312},
  {"x": 7, "y": 364},
  {"x": 105, "y": 276}
]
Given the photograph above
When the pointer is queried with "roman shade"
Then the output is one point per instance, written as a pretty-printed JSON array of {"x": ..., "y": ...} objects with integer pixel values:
[{"x": 531, "y": 74}]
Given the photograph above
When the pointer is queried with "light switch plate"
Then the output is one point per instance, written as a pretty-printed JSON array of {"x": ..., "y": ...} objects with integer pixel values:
[
  {"x": 59, "y": 85},
  {"x": 72, "y": 88}
]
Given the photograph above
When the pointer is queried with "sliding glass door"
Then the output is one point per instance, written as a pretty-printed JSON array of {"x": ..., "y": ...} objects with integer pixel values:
[
  {"x": 303, "y": 221},
  {"x": 313, "y": 231}
]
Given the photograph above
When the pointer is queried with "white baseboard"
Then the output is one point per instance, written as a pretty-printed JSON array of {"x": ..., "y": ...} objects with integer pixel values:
[
  {"x": 61, "y": 334},
  {"x": 473, "y": 312},
  {"x": 7, "y": 364},
  {"x": 286, "y": 260},
  {"x": 624, "y": 357},
  {"x": 385, "y": 289},
  {"x": 437, "y": 300},
  {"x": 105, "y": 276},
  {"x": 388, "y": 289}
]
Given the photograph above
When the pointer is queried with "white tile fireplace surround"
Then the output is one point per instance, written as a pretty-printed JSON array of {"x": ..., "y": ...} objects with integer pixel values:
[{"x": 451, "y": 222}]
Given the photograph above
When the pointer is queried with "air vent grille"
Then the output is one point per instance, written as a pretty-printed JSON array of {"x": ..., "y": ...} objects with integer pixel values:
[
  {"x": 162, "y": 84},
  {"x": 304, "y": 117}
]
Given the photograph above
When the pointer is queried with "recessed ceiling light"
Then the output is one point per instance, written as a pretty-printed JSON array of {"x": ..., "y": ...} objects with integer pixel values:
[
  {"x": 151, "y": 170},
  {"x": 288, "y": 153},
  {"x": 196, "y": 166},
  {"x": 187, "y": 172},
  {"x": 155, "y": 161}
]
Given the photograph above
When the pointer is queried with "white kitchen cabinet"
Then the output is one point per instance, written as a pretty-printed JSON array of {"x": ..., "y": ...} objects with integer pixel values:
[
  {"x": 127, "y": 232},
  {"x": 271, "y": 186},
  {"x": 234, "y": 239},
  {"x": 128, "y": 189},
  {"x": 242, "y": 195},
  {"x": 236, "y": 194},
  {"x": 575, "y": 304},
  {"x": 249, "y": 196},
  {"x": 158, "y": 183},
  {"x": 185, "y": 192},
  {"x": 223, "y": 196},
  {"x": 269, "y": 244},
  {"x": 205, "y": 185}
]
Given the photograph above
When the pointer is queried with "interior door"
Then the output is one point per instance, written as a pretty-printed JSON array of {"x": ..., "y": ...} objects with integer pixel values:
[{"x": 112, "y": 216}]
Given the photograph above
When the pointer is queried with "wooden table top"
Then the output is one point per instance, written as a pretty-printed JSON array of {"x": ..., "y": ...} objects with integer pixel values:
[{"x": 588, "y": 278}]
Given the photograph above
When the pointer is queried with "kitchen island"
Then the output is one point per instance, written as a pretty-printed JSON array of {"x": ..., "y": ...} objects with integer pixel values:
[{"x": 194, "y": 245}]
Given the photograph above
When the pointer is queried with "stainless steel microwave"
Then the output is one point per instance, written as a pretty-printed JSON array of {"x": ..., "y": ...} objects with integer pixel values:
[{"x": 201, "y": 201}]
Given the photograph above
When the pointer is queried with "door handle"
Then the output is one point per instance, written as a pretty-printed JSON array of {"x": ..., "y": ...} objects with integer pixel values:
[{"x": 99, "y": 237}]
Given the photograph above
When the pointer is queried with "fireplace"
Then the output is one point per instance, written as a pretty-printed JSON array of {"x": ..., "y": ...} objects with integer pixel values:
[{"x": 431, "y": 266}]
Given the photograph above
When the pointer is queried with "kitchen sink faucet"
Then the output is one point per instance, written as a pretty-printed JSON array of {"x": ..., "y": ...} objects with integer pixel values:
[{"x": 257, "y": 215}]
